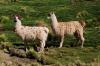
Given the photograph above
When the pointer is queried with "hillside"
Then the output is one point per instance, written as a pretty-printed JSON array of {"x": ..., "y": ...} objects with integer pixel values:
[{"x": 36, "y": 11}]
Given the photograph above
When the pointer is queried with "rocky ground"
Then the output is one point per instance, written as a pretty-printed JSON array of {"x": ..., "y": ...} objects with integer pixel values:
[{"x": 7, "y": 60}]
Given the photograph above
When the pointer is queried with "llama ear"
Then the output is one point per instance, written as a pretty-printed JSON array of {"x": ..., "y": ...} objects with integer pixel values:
[
  {"x": 17, "y": 15},
  {"x": 52, "y": 12}
]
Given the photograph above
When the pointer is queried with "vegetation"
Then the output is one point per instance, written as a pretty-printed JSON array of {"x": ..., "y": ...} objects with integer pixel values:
[{"x": 33, "y": 12}]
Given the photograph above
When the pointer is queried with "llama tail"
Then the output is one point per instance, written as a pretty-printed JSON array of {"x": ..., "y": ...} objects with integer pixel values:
[{"x": 83, "y": 24}]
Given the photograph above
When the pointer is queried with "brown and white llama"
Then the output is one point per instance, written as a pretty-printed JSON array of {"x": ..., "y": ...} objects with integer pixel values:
[
  {"x": 28, "y": 33},
  {"x": 67, "y": 28}
]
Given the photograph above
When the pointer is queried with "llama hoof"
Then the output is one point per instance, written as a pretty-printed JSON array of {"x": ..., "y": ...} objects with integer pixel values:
[
  {"x": 82, "y": 47},
  {"x": 38, "y": 49},
  {"x": 60, "y": 47},
  {"x": 26, "y": 50},
  {"x": 41, "y": 51}
]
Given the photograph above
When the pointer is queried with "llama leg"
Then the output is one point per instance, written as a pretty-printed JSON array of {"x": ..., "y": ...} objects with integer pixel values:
[
  {"x": 42, "y": 46},
  {"x": 62, "y": 40},
  {"x": 44, "y": 43},
  {"x": 76, "y": 42},
  {"x": 77, "y": 36},
  {"x": 82, "y": 41},
  {"x": 26, "y": 48},
  {"x": 81, "y": 38}
]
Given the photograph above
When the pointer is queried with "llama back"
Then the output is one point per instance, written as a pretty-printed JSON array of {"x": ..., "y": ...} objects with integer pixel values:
[
  {"x": 71, "y": 26},
  {"x": 41, "y": 32},
  {"x": 32, "y": 32},
  {"x": 67, "y": 27}
]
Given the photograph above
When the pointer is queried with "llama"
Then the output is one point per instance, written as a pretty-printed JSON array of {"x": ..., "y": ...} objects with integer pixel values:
[
  {"x": 67, "y": 28},
  {"x": 28, "y": 33}
]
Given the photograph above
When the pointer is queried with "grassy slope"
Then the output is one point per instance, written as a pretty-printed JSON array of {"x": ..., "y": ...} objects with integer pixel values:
[
  {"x": 71, "y": 55},
  {"x": 37, "y": 10}
]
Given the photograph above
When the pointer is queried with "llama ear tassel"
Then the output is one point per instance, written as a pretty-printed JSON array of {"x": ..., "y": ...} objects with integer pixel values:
[{"x": 51, "y": 13}]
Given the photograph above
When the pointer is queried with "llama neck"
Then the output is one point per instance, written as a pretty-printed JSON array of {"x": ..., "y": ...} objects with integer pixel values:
[
  {"x": 54, "y": 22},
  {"x": 18, "y": 24}
]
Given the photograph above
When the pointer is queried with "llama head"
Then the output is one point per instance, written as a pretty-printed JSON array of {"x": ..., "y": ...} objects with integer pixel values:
[
  {"x": 50, "y": 15},
  {"x": 16, "y": 17}
]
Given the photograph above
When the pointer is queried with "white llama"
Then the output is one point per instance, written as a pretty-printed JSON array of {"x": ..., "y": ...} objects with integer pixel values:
[
  {"x": 67, "y": 28},
  {"x": 28, "y": 33}
]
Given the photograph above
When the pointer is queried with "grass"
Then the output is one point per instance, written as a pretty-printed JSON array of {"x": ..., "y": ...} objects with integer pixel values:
[
  {"x": 67, "y": 55},
  {"x": 37, "y": 10},
  {"x": 34, "y": 11}
]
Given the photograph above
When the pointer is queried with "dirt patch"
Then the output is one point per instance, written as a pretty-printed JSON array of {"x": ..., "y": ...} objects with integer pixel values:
[{"x": 6, "y": 59}]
